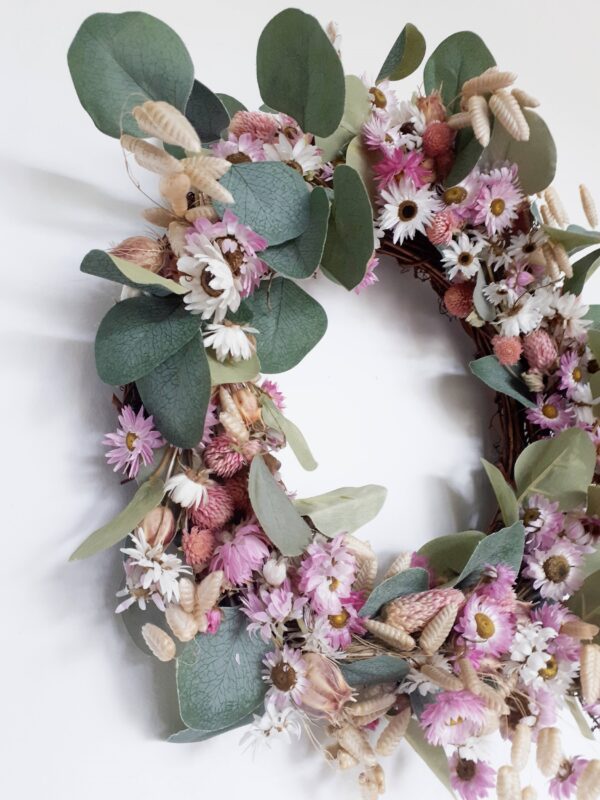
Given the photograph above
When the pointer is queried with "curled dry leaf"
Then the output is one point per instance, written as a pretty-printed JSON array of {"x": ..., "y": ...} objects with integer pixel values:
[
  {"x": 395, "y": 637},
  {"x": 508, "y": 786},
  {"x": 393, "y": 733},
  {"x": 159, "y": 642},
  {"x": 182, "y": 623},
  {"x": 161, "y": 119},
  {"x": 549, "y": 751},
  {"x": 589, "y": 206},
  {"x": 355, "y": 742},
  {"x": 508, "y": 112},
  {"x": 489, "y": 81},
  {"x": 150, "y": 157},
  {"x": 478, "y": 111},
  {"x": 436, "y": 631},
  {"x": 590, "y": 672},
  {"x": 520, "y": 747}
]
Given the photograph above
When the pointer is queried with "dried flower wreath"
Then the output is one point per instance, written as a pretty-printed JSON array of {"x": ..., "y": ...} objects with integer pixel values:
[{"x": 272, "y": 609}]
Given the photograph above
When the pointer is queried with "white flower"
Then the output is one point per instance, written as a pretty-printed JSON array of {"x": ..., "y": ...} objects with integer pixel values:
[
  {"x": 229, "y": 340},
  {"x": 407, "y": 209},
  {"x": 545, "y": 299},
  {"x": 408, "y": 115},
  {"x": 415, "y": 681},
  {"x": 460, "y": 257},
  {"x": 523, "y": 317},
  {"x": 185, "y": 490},
  {"x": 498, "y": 293},
  {"x": 213, "y": 289},
  {"x": 275, "y": 571},
  {"x": 316, "y": 637},
  {"x": 539, "y": 668},
  {"x": 301, "y": 154},
  {"x": 524, "y": 245},
  {"x": 583, "y": 406},
  {"x": 572, "y": 310},
  {"x": 274, "y": 723}
]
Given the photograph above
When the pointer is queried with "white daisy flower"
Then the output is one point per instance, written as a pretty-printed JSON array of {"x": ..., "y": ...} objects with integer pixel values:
[
  {"x": 229, "y": 341},
  {"x": 538, "y": 667},
  {"x": 213, "y": 288},
  {"x": 523, "y": 245},
  {"x": 460, "y": 257},
  {"x": 302, "y": 156},
  {"x": 498, "y": 293},
  {"x": 410, "y": 123},
  {"x": 187, "y": 489},
  {"x": 523, "y": 317},
  {"x": 545, "y": 299},
  {"x": 572, "y": 310},
  {"x": 407, "y": 210},
  {"x": 274, "y": 723}
]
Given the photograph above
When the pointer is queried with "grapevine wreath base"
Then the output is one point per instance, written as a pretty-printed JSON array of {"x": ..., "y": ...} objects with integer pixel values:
[{"x": 276, "y": 613}]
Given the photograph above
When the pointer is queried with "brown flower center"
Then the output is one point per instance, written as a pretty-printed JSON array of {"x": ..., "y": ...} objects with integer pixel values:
[
  {"x": 485, "y": 626},
  {"x": 556, "y": 568},
  {"x": 550, "y": 411},
  {"x": 407, "y": 210},
  {"x": 454, "y": 195},
  {"x": 205, "y": 279},
  {"x": 235, "y": 258},
  {"x": 339, "y": 620},
  {"x": 130, "y": 440},
  {"x": 379, "y": 98},
  {"x": 295, "y": 165},
  {"x": 531, "y": 515},
  {"x": 238, "y": 158},
  {"x": 464, "y": 259},
  {"x": 283, "y": 676},
  {"x": 465, "y": 769},
  {"x": 549, "y": 671},
  {"x": 497, "y": 206}
]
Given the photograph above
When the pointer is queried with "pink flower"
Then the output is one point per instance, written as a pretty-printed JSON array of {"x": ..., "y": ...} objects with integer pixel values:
[
  {"x": 241, "y": 551},
  {"x": 272, "y": 389},
  {"x": 543, "y": 521},
  {"x": 572, "y": 373},
  {"x": 338, "y": 628},
  {"x": 498, "y": 200},
  {"x": 198, "y": 546},
  {"x": 453, "y": 718},
  {"x": 540, "y": 349},
  {"x": 258, "y": 124},
  {"x": 497, "y": 584},
  {"x": 224, "y": 457},
  {"x": 507, "y": 349},
  {"x": 370, "y": 277},
  {"x": 554, "y": 615},
  {"x": 564, "y": 784},
  {"x": 237, "y": 489},
  {"x": 486, "y": 627},
  {"x": 552, "y": 413},
  {"x": 458, "y": 299},
  {"x": 215, "y": 509},
  {"x": 379, "y": 134},
  {"x": 471, "y": 779},
  {"x": 398, "y": 164},
  {"x": 286, "y": 674},
  {"x": 134, "y": 442},
  {"x": 556, "y": 572},
  {"x": 214, "y": 618},
  {"x": 438, "y": 138},
  {"x": 443, "y": 226},
  {"x": 210, "y": 422},
  {"x": 326, "y": 575},
  {"x": 269, "y": 607},
  {"x": 239, "y": 149}
]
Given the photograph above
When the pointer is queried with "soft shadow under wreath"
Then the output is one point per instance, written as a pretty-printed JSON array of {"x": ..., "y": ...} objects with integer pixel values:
[{"x": 275, "y": 612}]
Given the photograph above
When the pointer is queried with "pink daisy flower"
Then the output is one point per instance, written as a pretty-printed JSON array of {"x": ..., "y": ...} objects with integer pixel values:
[
  {"x": 554, "y": 615},
  {"x": 486, "y": 627},
  {"x": 286, "y": 674},
  {"x": 552, "y": 413},
  {"x": 471, "y": 779},
  {"x": 572, "y": 373},
  {"x": 338, "y": 628},
  {"x": 498, "y": 201},
  {"x": 497, "y": 584},
  {"x": 556, "y": 572},
  {"x": 270, "y": 607},
  {"x": 272, "y": 389},
  {"x": 398, "y": 165},
  {"x": 133, "y": 443},
  {"x": 326, "y": 575},
  {"x": 564, "y": 784},
  {"x": 241, "y": 551},
  {"x": 379, "y": 134},
  {"x": 453, "y": 718},
  {"x": 239, "y": 149},
  {"x": 543, "y": 521},
  {"x": 370, "y": 277}
]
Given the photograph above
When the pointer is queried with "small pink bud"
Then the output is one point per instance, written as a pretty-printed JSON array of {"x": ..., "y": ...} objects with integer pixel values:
[
  {"x": 159, "y": 526},
  {"x": 432, "y": 107},
  {"x": 141, "y": 250}
]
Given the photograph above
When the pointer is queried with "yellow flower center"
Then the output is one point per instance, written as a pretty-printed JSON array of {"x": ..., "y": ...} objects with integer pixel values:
[
  {"x": 339, "y": 620},
  {"x": 550, "y": 411},
  {"x": 452, "y": 722},
  {"x": 550, "y": 670},
  {"x": 333, "y": 584},
  {"x": 454, "y": 195},
  {"x": 556, "y": 568},
  {"x": 130, "y": 440},
  {"x": 485, "y": 626},
  {"x": 407, "y": 210},
  {"x": 379, "y": 98},
  {"x": 497, "y": 206},
  {"x": 577, "y": 374}
]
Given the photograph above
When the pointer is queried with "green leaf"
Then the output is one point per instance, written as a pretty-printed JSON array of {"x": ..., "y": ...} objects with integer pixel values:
[
  {"x": 433, "y": 755},
  {"x": 349, "y": 244},
  {"x": 560, "y": 468},
  {"x": 593, "y": 500},
  {"x": 299, "y": 258},
  {"x": 408, "y": 582},
  {"x": 139, "y": 334},
  {"x": 573, "y": 238},
  {"x": 374, "y": 671},
  {"x": 270, "y": 197},
  {"x": 232, "y": 371},
  {"x": 503, "y": 547},
  {"x": 232, "y": 105},
  {"x": 457, "y": 59},
  {"x": 300, "y": 73},
  {"x": 583, "y": 269},
  {"x": 118, "y": 61},
  {"x": 594, "y": 315},
  {"x": 104, "y": 265},
  {"x": 147, "y": 497},
  {"x": 343, "y": 510},
  {"x": 177, "y": 394},
  {"x": 357, "y": 108},
  {"x": 219, "y": 680},
  {"x": 505, "y": 495},
  {"x": 289, "y": 321},
  {"x": 586, "y": 601},
  {"x": 467, "y": 153},
  {"x": 447, "y": 555},
  {"x": 360, "y": 158},
  {"x": 485, "y": 310},
  {"x": 491, "y": 372},
  {"x": 190, "y": 735},
  {"x": 273, "y": 417},
  {"x": 405, "y": 56},
  {"x": 207, "y": 113},
  {"x": 536, "y": 158},
  {"x": 594, "y": 345},
  {"x": 275, "y": 511},
  {"x": 581, "y": 718}
]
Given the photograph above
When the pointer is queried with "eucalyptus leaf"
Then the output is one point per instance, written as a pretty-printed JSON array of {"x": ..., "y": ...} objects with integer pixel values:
[
  {"x": 273, "y": 417},
  {"x": 343, "y": 510},
  {"x": 405, "y": 56},
  {"x": 505, "y": 495},
  {"x": 270, "y": 197},
  {"x": 433, "y": 755},
  {"x": 593, "y": 500},
  {"x": 177, "y": 394},
  {"x": 594, "y": 315},
  {"x": 503, "y": 547},
  {"x": 118, "y": 61},
  {"x": 447, "y": 555},
  {"x": 486, "y": 310},
  {"x": 300, "y": 73},
  {"x": 408, "y": 582},
  {"x": 289, "y": 324},
  {"x": 594, "y": 344},
  {"x": 583, "y": 269},
  {"x": 458, "y": 58},
  {"x": 489, "y": 370},
  {"x": 467, "y": 153},
  {"x": 207, "y": 113},
  {"x": 586, "y": 600},
  {"x": 349, "y": 244},
  {"x": 219, "y": 681},
  {"x": 299, "y": 258},
  {"x": 232, "y": 371},
  {"x": 374, "y": 671},
  {"x": 357, "y": 107},
  {"x": 111, "y": 268},
  {"x": 147, "y": 497},
  {"x": 360, "y": 158},
  {"x": 573, "y": 238},
  {"x": 190, "y": 735},
  {"x": 275, "y": 511},
  {"x": 561, "y": 468},
  {"x": 232, "y": 105}
]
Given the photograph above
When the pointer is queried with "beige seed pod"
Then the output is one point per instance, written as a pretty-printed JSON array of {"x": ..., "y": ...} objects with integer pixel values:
[
  {"x": 521, "y": 744},
  {"x": 208, "y": 592},
  {"x": 437, "y": 629},
  {"x": 556, "y": 206},
  {"x": 231, "y": 418},
  {"x": 367, "y": 719},
  {"x": 529, "y": 793},
  {"x": 562, "y": 259},
  {"x": 400, "y": 564},
  {"x": 588, "y": 787},
  {"x": 356, "y": 743},
  {"x": 493, "y": 699},
  {"x": 547, "y": 217},
  {"x": 478, "y": 111},
  {"x": 524, "y": 99},
  {"x": 508, "y": 786},
  {"x": 159, "y": 642},
  {"x": 158, "y": 216},
  {"x": 204, "y": 171},
  {"x": 377, "y": 776},
  {"x": 489, "y": 81},
  {"x": 366, "y": 575},
  {"x": 344, "y": 760},
  {"x": 588, "y": 205},
  {"x": 579, "y": 629},
  {"x": 459, "y": 121},
  {"x": 204, "y": 211},
  {"x": 491, "y": 723},
  {"x": 187, "y": 594},
  {"x": 374, "y": 704},
  {"x": 534, "y": 380},
  {"x": 368, "y": 787},
  {"x": 150, "y": 157},
  {"x": 177, "y": 239},
  {"x": 396, "y": 638},
  {"x": 590, "y": 672},
  {"x": 181, "y": 623},
  {"x": 468, "y": 675},
  {"x": 358, "y": 547},
  {"x": 393, "y": 733},
  {"x": 549, "y": 751},
  {"x": 509, "y": 114},
  {"x": 552, "y": 270},
  {"x": 445, "y": 680},
  {"x": 161, "y": 119},
  {"x": 174, "y": 188}
]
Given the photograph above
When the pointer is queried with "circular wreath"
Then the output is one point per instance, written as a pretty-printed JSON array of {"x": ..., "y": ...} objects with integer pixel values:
[{"x": 275, "y": 612}]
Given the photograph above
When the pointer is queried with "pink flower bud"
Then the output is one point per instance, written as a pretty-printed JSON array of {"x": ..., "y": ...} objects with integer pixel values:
[
  {"x": 327, "y": 691},
  {"x": 141, "y": 250},
  {"x": 159, "y": 526},
  {"x": 432, "y": 107}
]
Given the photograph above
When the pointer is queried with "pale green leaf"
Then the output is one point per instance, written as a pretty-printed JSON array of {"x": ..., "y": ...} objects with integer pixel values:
[
  {"x": 405, "y": 56},
  {"x": 586, "y": 600},
  {"x": 593, "y": 500},
  {"x": 485, "y": 309},
  {"x": 503, "y": 547},
  {"x": 491, "y": 372},
  {"x": 343, "y": 510},
  {"x": 573, "y": 238},
  {"x": 458, "y": 58},
  {"x": 433, "y": 755},
  {"x": 594, "y": 315},
  {"x": 360, "y": 158},
  {"x": 408, "y": 582},
  {"x": 447, "y": 555},
  {"x": 583, "y": 269},
  {"x": 232, "y": 371},
  {"x": 190, "y": 735},
  {"x": 273, "y": 417},
  {"x": 505, "y": 495},
  {"x": 374, "y": 671},
  {"x": 111, "y": 268},
  {"x": 357, "y": 108}
]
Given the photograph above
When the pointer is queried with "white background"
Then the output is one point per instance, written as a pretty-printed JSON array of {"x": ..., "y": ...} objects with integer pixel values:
[{"x": 385, "y": 398}]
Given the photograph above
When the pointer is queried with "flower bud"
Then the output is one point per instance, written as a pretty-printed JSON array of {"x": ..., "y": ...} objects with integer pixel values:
[
  {"x": 274, "y": 571},
  {"x": 327, "y": 691},
  {"x": 159, "y": 526},
  {"x": 432, "y": 107},
  {"x": 141, "y": 250}
]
